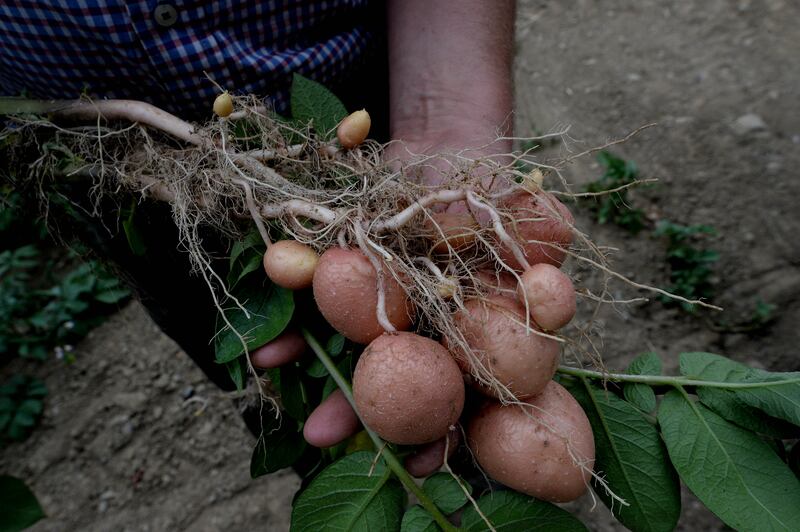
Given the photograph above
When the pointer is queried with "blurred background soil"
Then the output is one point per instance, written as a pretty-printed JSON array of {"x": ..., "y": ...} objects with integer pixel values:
[{"x": 134, "y": 438}]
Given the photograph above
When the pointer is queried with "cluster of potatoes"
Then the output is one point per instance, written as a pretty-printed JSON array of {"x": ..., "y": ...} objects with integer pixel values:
[{"x": 410, "y": 389}]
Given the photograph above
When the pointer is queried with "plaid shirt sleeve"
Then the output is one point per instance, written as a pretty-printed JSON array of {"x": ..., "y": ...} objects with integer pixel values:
[{"x": 161, "y": 50}]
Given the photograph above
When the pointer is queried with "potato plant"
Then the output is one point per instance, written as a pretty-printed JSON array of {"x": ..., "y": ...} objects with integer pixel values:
[{"x": 438, "y": 317}]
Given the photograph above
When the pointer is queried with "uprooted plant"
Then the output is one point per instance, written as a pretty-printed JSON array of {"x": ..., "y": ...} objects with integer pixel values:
[{"x": 471, "y": 265}]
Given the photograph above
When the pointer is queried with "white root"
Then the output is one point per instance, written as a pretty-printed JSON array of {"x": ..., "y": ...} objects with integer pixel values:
[
  {"x": 477, "y": 203},
  {"x": 383, "y": 318}
]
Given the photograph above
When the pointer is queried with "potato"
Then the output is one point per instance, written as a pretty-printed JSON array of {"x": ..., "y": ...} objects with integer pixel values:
[
  {"x": 456, "y": 228},
  {"x": 223, "y": 105},
  {"x": 408, "y": 388},
  {"x": 495, "y": 330},
  {"x": 346, "y": 292},
  {"x": 539, "y": 217},
  {"x": 354, "y": 129},
  {"x": 290, "y": 264},
  {"x": 550, "y": 296},
  {"x": 528, "y": 448}
]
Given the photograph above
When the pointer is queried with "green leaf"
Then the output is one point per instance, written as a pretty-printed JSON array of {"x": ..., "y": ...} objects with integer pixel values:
[
  {"x": 277, "y": 449},
  {"x": 247, "y": 255},
  {"x": 779, "y": 396},
  {"x": 732, "y": 471},
  {"x": 311, "y": 101},
  {"x": 237, "y": 369},
  {"x": 316, "y": 369},
  {"x": 335, "y": 345},
  {"x": 270, "y": 307},
  {"x": 642, "y": 395},
  {"x": 110, "y": 297},
  {"x": 509, "y": 511},
  {"x": 727, "y": 404},
  {"x": 417, "y": 519},
  {"x": 354, "y": 493},
  {"x": 632, "y": 459},
  {"x": 132, "y": 233},
  {"x": 292, "y": 392},
  {"x": 446, "y": 492},
  {"x": 20, "y": 507}
]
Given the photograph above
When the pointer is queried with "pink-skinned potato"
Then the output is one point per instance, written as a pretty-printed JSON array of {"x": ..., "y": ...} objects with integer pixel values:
[
  {"x": 537, "y": 218},
  {"x": 550, "y": 296},
  {"x": 531, "y": 448},
  {"x": 456, "y": 230},
  {"x": 408, "y": 389},
  {"x": 495, "y": 330},
  {"x": 346, "y": 291}
]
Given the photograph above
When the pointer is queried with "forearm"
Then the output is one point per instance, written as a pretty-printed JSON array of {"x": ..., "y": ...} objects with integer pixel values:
[{"x": 450, "y": 70}]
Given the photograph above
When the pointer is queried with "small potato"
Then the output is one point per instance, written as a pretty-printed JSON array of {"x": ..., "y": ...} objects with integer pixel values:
[
  {"x": 550, "y": 296},
  {"x": 495, "y": 330},
  {"x": 531, "y": 449},
  {"x": 290, "y": 264},
  {"x": 408, "y": 388},
  {"x": 223, "y": 105},
  {"x": 454, "y": 228},
  {"x": 346, "y": 292},
  {"x": 354, "y": 129},
  {"x": 542, "y": 218}
]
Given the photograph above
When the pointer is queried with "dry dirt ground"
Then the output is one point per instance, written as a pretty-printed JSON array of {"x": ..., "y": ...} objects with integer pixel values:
[{"x": 125, "y": 445}]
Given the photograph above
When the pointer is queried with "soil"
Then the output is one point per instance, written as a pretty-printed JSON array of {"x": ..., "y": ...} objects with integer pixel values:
[{"x": 134, "y": 437}]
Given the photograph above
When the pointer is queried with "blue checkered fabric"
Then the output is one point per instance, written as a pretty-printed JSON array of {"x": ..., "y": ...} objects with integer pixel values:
[{"x": 160, "y": 51}]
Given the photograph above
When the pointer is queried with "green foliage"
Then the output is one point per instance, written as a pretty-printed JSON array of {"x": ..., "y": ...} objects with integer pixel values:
[
  {"x": 509, "y": 511},
  {"x": 446, "y": 492},
  {"x": 641, "y": 395},
  {"x": 690, "y": 266},
  {"x": 356, "y": 492},
  {"x": 312, "y": 102},
  {"x": 48, "y": 297},
  {"x": 20, "y": 508},
  {"x": 631, "y": 458},
  {"x": 735, "y": 473},
  {"x": 614, "y": 207},
  {"x": 21, "y": 405}
]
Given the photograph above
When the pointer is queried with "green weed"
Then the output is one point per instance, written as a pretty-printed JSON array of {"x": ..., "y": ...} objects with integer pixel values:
[{"x": 614, "y": 207}]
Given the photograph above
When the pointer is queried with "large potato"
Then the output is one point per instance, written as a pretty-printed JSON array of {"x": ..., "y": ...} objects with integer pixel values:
[
  {"x": 408, "y": 388},
  {"x": 531, "y": 449},
  {"x": 346, "y": 292},
  {"x": 495, "y": 330},
  {"x": 538, "y": 218}
]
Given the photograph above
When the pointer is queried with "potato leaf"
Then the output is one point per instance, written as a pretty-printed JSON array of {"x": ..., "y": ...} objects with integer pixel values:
[
  {"x": 729, "y": 406},
  {"x": 292, "y": 398},
  {"x": 417, "y": 519},
  {"x": 270, "y": 307},
  {"x": 509, "y": 511},
  {"x": 237, "y": 369},
  {"x": 732, "y": 471},
  {"x": 642, "y": 396},
  {"x": 778, "y": 395},
  {"x": 354, "y": 493},
  {"x": 276, "y": 449},
  {"x": 445, "y": 492},
  {"x": 312, "y": 102},
  {"x": 633, "y": 461},
  {"x": 20, "y": 507}
]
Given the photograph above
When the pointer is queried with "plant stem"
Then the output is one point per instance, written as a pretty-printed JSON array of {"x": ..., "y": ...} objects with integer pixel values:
[
  {"x": 665, "y": 380},
  {"x": 391, "y": 460}
]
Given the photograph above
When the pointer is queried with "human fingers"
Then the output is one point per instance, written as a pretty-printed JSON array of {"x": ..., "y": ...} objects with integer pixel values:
[
  {"x": 288, "y": 347},
  {"x": 333, "y": 421}
]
